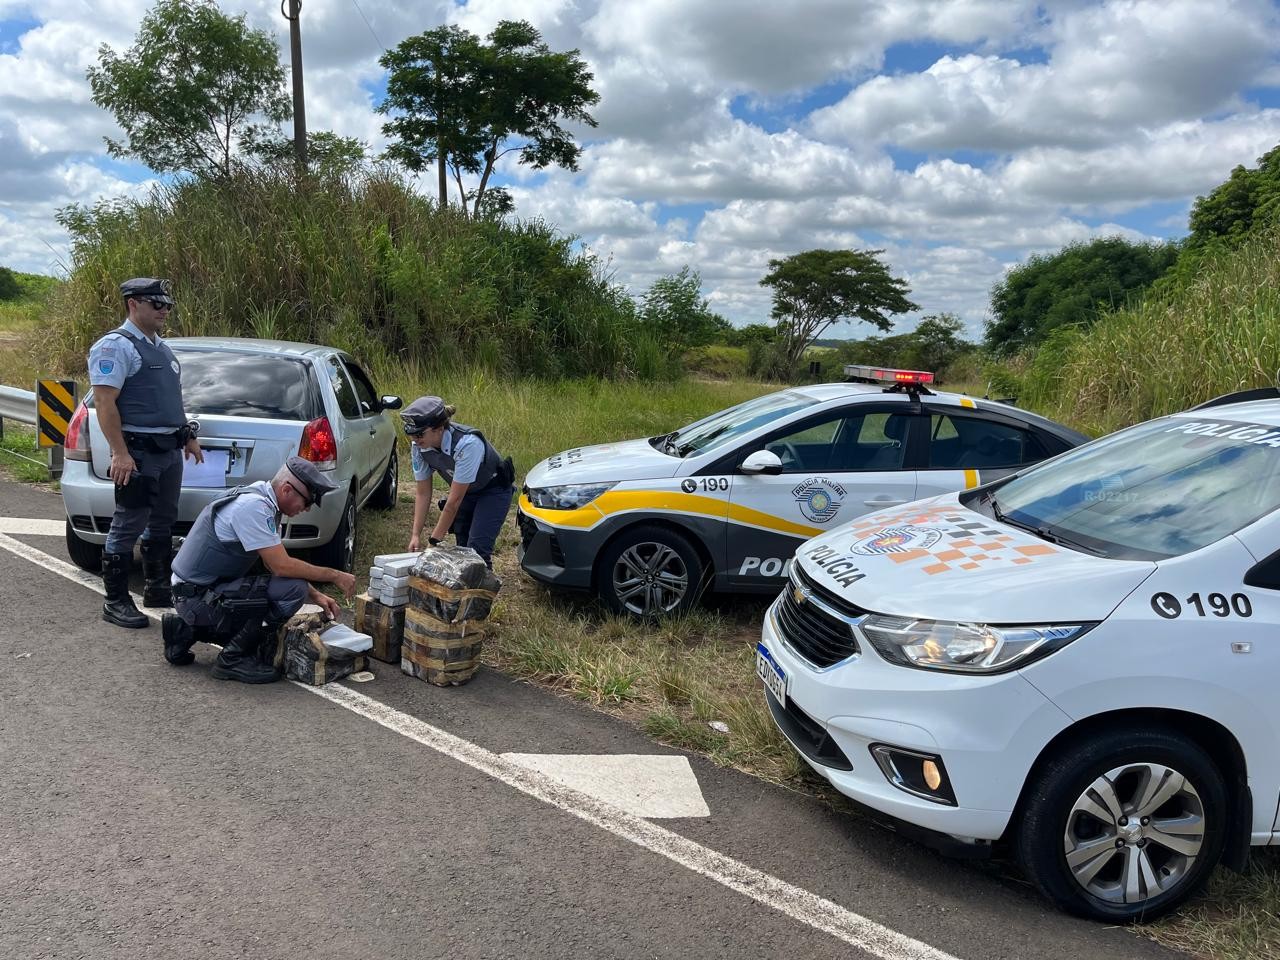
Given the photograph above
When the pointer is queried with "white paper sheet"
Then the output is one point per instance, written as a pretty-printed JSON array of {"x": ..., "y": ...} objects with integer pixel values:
[{"x": 211, "y": 473}]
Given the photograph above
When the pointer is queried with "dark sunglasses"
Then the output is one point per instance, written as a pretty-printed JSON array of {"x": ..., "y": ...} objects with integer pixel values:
[{"x": 157, "y": 304}]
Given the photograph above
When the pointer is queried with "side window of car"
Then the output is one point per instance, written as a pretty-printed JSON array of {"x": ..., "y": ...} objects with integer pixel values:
[
  {"x": 872, "y": 441},
  {"x": 342, "y": 389},
  {"x": 972, "y": 443},
  {"x": 364, "y": 389}
]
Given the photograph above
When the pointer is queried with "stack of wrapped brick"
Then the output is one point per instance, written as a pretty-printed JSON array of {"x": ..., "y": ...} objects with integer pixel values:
[
  {"x": 389, "y": 578},
  {"x": 383, "y": 619},
  {"x": 303, "y": 654},
  {"x": 451, "y": 592}
]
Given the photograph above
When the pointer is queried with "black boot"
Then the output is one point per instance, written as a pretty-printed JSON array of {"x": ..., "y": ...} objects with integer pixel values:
[
  {"x": 119, "y": 608},
  {"x": 239, "y": 658},
  {"x": 178, "y": 638},
  {"x": 156, "y": 556}
]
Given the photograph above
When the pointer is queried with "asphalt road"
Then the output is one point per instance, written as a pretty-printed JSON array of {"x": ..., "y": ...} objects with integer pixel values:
[{"x": 148, "y": 811}]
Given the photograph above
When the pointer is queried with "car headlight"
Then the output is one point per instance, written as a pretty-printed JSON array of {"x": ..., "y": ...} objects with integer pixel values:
[
  {"x": 567, "y": 496},
  {"x": 965, "y": 647}
]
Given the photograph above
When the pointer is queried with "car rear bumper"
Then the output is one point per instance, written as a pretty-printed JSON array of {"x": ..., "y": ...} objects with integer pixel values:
[{"x": 90, "y": 503}]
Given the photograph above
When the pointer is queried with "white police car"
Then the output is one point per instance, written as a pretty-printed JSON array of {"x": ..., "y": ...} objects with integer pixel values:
[
  {"x": 726, "y": 500},
  {"x": 1079, "y": 662}
]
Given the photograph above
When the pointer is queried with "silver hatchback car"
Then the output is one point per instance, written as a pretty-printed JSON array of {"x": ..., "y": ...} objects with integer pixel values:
[{"x": 257, "y": 402}]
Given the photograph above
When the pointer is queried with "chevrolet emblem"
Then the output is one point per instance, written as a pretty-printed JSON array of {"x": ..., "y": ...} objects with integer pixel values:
[{"x": 799, "y": 595}]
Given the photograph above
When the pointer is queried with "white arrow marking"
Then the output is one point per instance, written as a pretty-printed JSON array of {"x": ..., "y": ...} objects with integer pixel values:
[{"x": 641, "y": 784}]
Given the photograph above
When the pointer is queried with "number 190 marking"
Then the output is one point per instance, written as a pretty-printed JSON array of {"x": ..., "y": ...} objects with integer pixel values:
[{"x": 1220, "y": 606}]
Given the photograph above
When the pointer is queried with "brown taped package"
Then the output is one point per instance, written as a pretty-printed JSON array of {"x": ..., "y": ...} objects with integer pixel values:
[
  {"x": 304, "y": 657},
  {"x": 385, "y": 624}
]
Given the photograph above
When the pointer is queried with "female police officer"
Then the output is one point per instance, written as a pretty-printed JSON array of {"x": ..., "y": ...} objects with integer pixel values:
[{"x": 480, "y": 480}]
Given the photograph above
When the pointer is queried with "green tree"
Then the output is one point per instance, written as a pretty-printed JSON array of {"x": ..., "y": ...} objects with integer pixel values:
[
  {"x": 1069, "y": 287},
  {"x": 1249, "y": 197},
  {"x": 10, "y": 289},
  {"x": 937, "y": 342},
  {"x": 814, "y": 289},
  {"x": 327, "y": 152},
  {"x": 465, "y": 104},
  {"x": 185, "y": 92},
  {"x": 674, "y": 312}
]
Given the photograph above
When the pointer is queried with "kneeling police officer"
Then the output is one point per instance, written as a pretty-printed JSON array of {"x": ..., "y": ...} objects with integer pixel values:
[{"x": 216, "y": 596}]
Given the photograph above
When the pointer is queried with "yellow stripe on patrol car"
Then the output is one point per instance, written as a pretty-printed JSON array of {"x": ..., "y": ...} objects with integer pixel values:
[
  {"x": 966, "y": 402},
  {"x": 668, "y": 501},
  {"x": 970, "y": 479}
]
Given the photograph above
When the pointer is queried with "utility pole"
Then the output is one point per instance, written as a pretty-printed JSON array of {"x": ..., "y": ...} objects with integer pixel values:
[{"x": 295, "y": 58}]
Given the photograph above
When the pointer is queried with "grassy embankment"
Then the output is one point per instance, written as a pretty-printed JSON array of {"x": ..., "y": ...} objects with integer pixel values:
[{"x": 20, "y": 321}]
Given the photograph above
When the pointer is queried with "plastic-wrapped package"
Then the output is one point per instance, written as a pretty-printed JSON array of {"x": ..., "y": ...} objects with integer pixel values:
[
  {"x": 440, "y": 653},
  {"x": 305, "y": 656},
  {"x": 385, "y": 624},
  {"x": 452, "y": 584}
]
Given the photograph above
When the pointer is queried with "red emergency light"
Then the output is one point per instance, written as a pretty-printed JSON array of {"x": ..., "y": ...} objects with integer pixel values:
[{"x": 887, "y": 375}]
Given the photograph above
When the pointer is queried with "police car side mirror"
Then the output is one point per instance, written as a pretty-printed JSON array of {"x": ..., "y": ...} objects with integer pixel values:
[
  {"x": 391, "y": 403},
  {"x": 762, "y": 461}
]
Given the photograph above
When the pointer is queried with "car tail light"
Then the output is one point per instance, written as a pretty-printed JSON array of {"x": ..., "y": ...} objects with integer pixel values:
[
  {"x": 76, "y": 446},
  {"x": 319, "y": 445}
]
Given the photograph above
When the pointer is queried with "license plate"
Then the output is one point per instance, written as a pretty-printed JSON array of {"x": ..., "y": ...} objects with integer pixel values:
[
  {"x": 211, "y": 473},
  {"x": 775, "y": 679}
]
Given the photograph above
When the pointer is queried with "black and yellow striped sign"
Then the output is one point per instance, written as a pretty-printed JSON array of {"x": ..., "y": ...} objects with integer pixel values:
[{"x": 55, "y": 401}]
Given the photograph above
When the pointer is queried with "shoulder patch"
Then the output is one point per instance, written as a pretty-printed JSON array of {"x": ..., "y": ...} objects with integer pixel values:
[{"x": 106, "y": 366}]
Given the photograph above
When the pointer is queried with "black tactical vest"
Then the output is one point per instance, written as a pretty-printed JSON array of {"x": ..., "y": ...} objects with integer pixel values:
[
  {"x": 443, "y": 463},
  {"x": 152, "y": 397},
  {"x": 203, "y": 559}
]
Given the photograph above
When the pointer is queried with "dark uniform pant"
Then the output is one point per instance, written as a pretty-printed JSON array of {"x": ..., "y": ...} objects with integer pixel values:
[
  {"x": 149, "y": 501},
  {"x": 479, "y": 518},
  {"x": 284, "y": 598}
]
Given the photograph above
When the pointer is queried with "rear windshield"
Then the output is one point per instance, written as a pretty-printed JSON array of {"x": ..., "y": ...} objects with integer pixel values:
[
  {"x": 1154, "y": 491},
  {"x": 261, "y": 386}
]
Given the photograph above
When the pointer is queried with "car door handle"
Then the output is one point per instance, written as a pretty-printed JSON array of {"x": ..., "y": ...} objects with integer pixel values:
[
  {"x": 883, "y": 503},
  {"x": 373, "y": 431}
]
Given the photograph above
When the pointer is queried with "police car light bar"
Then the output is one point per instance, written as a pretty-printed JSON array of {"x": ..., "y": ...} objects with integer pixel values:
[{"x": 887, "y": 375}]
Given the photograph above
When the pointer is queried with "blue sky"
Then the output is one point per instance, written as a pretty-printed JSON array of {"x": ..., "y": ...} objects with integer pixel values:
[{"x": 960, "y": 136}]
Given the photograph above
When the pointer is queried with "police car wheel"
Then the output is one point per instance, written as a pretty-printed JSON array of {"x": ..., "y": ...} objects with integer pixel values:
[
  {"x": 649, "y": 572},
  {"x": 1124, "y": 826},
  {"x": 85, "y": 555},
  {"x": 384, "y": 498}
]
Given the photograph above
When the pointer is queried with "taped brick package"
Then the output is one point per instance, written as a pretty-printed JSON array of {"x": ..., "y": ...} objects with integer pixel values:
[
  {"x": 304, "y": 656},
  {"x": 451, "y": 593},
  {"x": 385, "y": 624}
]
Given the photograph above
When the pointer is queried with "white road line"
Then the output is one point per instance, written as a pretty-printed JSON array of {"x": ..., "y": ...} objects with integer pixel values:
[
  {"x": 799, "y": 904},
  {"x": 24, "y": 526}
]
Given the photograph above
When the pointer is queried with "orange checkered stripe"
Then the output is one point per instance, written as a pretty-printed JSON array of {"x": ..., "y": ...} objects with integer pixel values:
[{"x": 965, "y": 545}]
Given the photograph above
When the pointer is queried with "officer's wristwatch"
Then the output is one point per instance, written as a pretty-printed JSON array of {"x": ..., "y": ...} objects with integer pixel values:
[
  {"x": 193, "y": 428},
  {"x": 434, "y": 542}
]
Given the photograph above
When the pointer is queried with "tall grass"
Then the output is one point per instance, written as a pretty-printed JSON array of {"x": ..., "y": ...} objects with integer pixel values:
[
  {"x": 1209, "y": 334},
  {"x": 362, "y": 263}
]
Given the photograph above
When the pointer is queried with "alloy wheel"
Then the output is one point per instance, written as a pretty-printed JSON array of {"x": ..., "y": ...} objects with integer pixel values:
[
  {"x": 650, "y": 579},
  {"x": 1134, "y": 833}
]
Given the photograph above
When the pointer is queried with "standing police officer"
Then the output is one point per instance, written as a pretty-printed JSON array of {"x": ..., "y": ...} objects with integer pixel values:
[
  {"x": 137, "y": 391},
  {"x": 480, "y": 480},
  {"x": 217, "y": 597}
]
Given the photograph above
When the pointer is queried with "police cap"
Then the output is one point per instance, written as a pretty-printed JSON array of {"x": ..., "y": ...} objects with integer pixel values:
[
  {"x": 147, "y": 288},
  {"x": 423, "y": 414},
  {"x": 317, "y": 483}
]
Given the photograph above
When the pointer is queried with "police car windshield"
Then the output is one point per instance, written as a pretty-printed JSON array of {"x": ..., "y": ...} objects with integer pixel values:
[
  {"x": 721, "y": 429},
  {"x": 1155, "y": 491}
]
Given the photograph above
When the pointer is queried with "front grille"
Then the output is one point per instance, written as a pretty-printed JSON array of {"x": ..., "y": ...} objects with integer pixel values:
[
  {"x": 557, "y": 551},
  {"x": 811, "y": 630},
  {"x": 807, "y": 734}
]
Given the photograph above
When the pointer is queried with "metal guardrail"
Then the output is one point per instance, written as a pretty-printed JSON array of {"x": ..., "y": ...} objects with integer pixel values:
[
  {"x": 20, "y": 406},
  {"x": 17, "y": 405}
]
